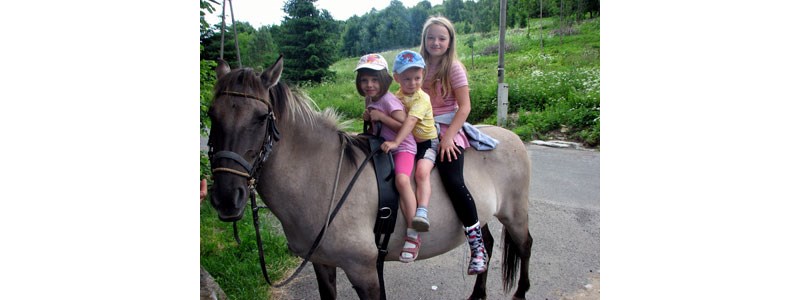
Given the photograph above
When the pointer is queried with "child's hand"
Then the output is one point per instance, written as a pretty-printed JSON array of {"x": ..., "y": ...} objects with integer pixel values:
[
  {"x": 376, "y": 115},
  {"x": 203, "y": 189},
  {"x": 388, "y": 146},
  {"x": 365, "y": 116},
  {"x": 448, "y": 148}
]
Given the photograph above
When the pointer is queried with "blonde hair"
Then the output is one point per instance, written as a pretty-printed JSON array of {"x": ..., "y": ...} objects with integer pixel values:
[{"x": 450, "y": 57}]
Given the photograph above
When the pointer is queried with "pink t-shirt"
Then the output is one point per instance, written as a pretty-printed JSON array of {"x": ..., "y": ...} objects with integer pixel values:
[
  {"x": 387, "y": 104},
  {"x": 448, "y": 103}
]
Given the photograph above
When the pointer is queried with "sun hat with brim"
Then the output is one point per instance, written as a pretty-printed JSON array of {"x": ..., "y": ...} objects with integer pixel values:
[
  {"x": 373, "y": 62},
  {"x": 407, "y": 59}
]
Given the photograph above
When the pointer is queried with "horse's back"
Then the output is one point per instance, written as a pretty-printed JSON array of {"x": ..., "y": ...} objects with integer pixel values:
[{"x": 499, "y": 179}]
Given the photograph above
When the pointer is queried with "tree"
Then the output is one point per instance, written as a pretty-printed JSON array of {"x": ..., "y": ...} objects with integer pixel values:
[
  {"x": 262, "y": 51},
  {"x": 453, "y": 9},
  {"x": 351, "y": 39},
  {"x": 418, "y": 15},
  {"x": 210, "y": 39},
  {"x": 397, "y": 27},
  {"x": 205, "y": 7},
  {"x": 207, "y": 77},
  {"x": 306, "y": 42}
]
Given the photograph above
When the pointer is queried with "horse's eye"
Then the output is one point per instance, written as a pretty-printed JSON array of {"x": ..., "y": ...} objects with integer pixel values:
[{"x": 262, "y": 118}]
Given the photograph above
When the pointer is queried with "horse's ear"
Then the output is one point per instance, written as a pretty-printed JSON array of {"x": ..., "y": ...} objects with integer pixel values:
[
  {"x": 222, "y": 68},
  {"x": 271, "y": 76}
]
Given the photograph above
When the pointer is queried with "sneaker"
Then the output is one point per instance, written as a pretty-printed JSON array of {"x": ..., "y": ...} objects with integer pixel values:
[{"x": 420, "y": 223}]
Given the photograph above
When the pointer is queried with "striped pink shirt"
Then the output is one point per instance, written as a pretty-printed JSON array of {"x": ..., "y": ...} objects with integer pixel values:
[{"x": 448, "y": 103}]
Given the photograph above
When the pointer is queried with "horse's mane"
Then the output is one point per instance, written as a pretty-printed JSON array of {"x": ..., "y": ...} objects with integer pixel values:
[{"x": 294, "y": 103}]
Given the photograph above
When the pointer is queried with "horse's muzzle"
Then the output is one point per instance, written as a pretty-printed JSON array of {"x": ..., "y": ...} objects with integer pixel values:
[{"x": 229, "y": 203}]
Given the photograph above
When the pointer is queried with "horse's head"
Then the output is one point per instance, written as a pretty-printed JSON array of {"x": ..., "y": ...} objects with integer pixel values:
[{"x": 242, "y": 123}]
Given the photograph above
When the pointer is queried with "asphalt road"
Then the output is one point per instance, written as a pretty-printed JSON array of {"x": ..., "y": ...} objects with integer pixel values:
[{"x": 564, "y": 210}]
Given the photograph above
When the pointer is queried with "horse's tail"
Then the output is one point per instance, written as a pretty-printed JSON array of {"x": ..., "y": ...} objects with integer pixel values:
[{"x": 511, "y": 260}]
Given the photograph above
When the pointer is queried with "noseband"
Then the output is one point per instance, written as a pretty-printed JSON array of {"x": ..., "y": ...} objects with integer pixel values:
[{"x": 271, "y": 135}]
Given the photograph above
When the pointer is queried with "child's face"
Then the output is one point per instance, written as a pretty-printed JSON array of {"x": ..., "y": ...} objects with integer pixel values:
[
  {"x": 410, "y": 80},
  {"x": 437, "y": 40},
  {"x": 370, "y": 85}
]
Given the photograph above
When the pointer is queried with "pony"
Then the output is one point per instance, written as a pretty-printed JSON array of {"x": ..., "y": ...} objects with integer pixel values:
[{"x": 265, "y": 133}]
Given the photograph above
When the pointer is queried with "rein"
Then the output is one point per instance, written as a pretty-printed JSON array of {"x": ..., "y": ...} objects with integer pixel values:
[{"x": 272, "y": 136}]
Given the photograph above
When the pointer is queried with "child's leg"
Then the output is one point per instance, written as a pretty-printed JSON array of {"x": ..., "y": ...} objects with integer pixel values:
[
  {"x": 404, "y": 163},
  {"x": 422, "y": 175},
  {"x": 408, "y": 203}
]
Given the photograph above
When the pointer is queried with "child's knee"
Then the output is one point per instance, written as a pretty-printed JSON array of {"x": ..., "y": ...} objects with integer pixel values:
[
  {"x": 402, "y": 180},
  {"x": 422, "y": 176}
]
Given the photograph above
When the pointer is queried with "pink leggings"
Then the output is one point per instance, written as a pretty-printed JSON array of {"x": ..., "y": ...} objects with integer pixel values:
[{"x": 403, "y": 163}]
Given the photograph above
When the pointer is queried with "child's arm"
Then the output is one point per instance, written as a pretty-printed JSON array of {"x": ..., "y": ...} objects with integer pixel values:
[
  {"x": 394, "y": 121},
  {"x": 405, "y": 129}
]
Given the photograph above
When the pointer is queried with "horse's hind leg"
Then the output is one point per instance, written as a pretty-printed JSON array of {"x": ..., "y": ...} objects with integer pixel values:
[
  {"x": 517, "y": 253},
  {"x": 479, "y": 291},
  {"x": 326, "y": 280}
]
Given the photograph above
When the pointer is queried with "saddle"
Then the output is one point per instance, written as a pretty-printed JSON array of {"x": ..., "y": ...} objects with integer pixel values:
[{"x": 388, "y": 205}]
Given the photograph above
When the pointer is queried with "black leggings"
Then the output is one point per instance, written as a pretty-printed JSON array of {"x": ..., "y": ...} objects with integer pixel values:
[{"x": 452, "y": 174}]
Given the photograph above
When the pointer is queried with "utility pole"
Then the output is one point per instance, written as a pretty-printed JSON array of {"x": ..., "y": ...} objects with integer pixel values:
[{"x": 502, "y": 88}]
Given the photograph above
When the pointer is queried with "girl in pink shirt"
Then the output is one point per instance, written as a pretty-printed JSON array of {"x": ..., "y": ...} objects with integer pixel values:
[
  {"x": 372, "y": 82},
  {"x": 446, "y": 84}
]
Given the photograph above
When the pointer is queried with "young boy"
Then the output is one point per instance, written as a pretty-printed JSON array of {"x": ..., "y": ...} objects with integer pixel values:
[{"x": 408, "y": 69}]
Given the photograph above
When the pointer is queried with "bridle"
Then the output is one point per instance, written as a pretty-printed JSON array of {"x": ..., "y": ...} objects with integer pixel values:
[{"x": 271, "y": 136}]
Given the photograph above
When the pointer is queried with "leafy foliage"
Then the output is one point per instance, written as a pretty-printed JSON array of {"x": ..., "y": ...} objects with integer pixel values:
[
  {"x": 207, "y": 79},
  {"x": 307, "y": 41},
  {"x": 205, "y": 7}
]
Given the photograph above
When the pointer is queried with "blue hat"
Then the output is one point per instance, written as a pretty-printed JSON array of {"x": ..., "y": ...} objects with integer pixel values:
[{"x": 407, "y": 59}]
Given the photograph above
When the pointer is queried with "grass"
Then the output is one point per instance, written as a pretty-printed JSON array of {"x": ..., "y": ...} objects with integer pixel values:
[{"x": 236, "y": 267}]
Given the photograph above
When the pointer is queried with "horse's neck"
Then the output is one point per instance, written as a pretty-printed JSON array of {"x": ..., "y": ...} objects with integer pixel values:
[
  {"x": 307, "y": 141},
  {"x": 298, "y": 178}
]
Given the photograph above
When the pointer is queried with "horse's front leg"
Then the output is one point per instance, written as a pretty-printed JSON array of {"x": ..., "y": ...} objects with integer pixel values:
[
  {"x": 364, "y": 278},
  {"x": 479, "y": 291},
  {"x": 326, "y": 280}
]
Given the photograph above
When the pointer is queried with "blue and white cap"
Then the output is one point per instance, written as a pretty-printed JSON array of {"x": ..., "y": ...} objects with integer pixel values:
[{"x": 407, "y": 59}]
